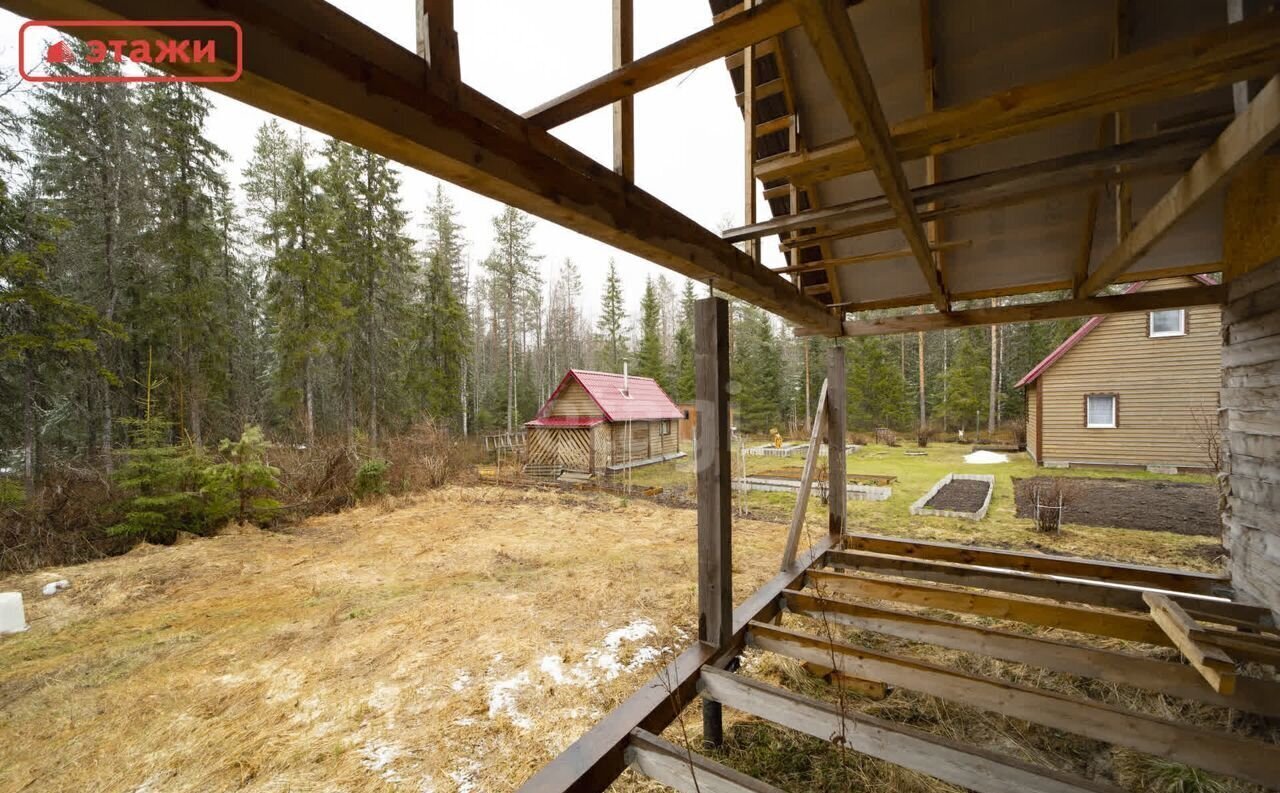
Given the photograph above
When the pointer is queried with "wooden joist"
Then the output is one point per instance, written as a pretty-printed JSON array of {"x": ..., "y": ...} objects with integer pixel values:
[
  {"x": 624, "y": 110},
  {"x": 865, "y": 258},
  {"x": 1218, "y": 752},
  {"x": 686, "y": 770},
  {"x": 1250, "y": 48},
  {"x": 816, "y": 436},
  {"x": 838, "y": 49},
  {"x": 1211, "y": 662},
  {"x": 1035, "y": 312},
  {"x": 1245, "y": 139},
  {"x": 767, "y": 19},
  {"x": 968, "y": 767},
  {"x": 1173, "y": 679}
]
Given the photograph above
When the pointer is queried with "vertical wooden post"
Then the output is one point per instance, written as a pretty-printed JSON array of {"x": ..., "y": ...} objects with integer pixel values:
[
  {"x": 624, "y": 111},
  {"x": 438, "y": 44},
  {"x": 837, "y": 481},
  {"x": 749, "y": 139}
]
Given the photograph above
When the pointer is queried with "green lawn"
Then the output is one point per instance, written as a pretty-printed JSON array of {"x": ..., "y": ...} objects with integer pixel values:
[{"x": 1001, "y": 526}]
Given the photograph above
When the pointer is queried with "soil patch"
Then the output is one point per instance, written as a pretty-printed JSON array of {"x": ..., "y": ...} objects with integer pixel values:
[
  {"x": 960, "y": 495},
  {"x": 1150, "y": 505}
]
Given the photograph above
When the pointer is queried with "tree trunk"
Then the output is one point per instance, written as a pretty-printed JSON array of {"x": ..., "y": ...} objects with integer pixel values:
[
  {"x": 29, "y": 425},
  {"x": 309, "y": 419},
  {"x": 920, "y": 375},
  {"x": 995, "y": 368}
]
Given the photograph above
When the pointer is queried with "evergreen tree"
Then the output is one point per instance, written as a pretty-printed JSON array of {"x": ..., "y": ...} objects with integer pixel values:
[
  {"x": 612, "y": 316},
  {"x": 683, "y": 378},
  {"x": 240, "y": 487},
  {"x": 756, "y": 370},
  {"x": 968, "y": 377},
  {"x": 649, "y": 360},
  {"x": 876, "y": 389},
  {"x": 513, "y": 279},
  {"x": 436, "y": 375}
]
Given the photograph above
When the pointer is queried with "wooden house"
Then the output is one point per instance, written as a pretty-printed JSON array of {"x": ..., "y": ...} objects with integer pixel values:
[
  {"x": 1130, "y": 389},
  {"x": 599, "y": 421}
]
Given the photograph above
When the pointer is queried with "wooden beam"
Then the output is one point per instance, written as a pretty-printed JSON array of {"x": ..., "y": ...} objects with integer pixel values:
[
  {"x": 829, "y": 30},
  {"x": 1217, "y": 668},
  {"x": 685, "y": 770},
  {"x": 306, "y": 61},
  {"x": 1081, "y": 269},
  {"x": 624, "y": 110},
  {"x": 816, "y": 434},
  {"x": 1036, "y": 312},
  {"x": 749, "y": 141},
  {"x": 968, "y": 767},
  {"x": 865, "y": 258},
  {"x": 780, "y": 124},
  {"x": 1173, "y": 679},
  {"x": 1214, "y": 751},
  {"x": 715, "y": 527},
  {"x": 767, "y": 19},
  {"x": 438, "y": 43},
  {"x": 837, "y": 480},
  {"x": 1191, "y": 64},
  {"x": 1245, "y": 139}
]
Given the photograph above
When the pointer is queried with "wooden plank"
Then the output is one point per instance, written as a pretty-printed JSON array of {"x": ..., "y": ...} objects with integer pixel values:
[
  {"x": 864, "y": 258},
  {"x": 595, "y": 760},
  {"x": 715, "y": 527},
  {"x": 685, "y": 770},
  {"x": 1173, "y": 679},
  {"x": 1093, "y": 593},
  {"x": 833, "y": 38},
  {"x": 966, "y": 766},
  {"x": 624, "y": 110},
  {"x": 438, "y": 44},
  {"x": 1035, "y": 312},
  {"x": 1211, "y": 662},
  {"x": 768, "y": 18},
  {"x": 816, "y": 435},
  {"x": 1218, "y": 752},
  {"x": 837, "y": 407},
  {"x": 1199, "y": 62},
  {"x": 749, "y": 139},
  {"x": 1165, "y": 578},
  {"x": 306, "y": 61},
  {"x": 1245, "y": 139}
]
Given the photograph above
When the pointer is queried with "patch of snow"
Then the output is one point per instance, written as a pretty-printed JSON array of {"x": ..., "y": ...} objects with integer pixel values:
[
  {"x": 378, "y": 757},
  {"x": 54, "y": 587},
  {"x": 637, "y": 630},
  {"x": 464, "y": 775},
  {"x": 986, "y": 458},
  {"x": 502, "y": 700},
  {"x": 384, "y": 697},
  {"x": 461, "y": 681},
  {"x": 465, "y": 721}
]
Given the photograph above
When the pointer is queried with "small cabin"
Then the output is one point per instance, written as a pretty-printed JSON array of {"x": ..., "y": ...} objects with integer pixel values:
[{"x": 599, "y": 422}]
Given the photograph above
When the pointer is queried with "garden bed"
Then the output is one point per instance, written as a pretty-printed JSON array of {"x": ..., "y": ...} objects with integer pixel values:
[
  {"x": 1148, "y": 505},
  {"x": 957, "y": 496}
]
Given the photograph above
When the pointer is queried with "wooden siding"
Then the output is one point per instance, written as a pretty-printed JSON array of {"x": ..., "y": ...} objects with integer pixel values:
[
  {"x": 646, "y": 441},
  {"x": 1164, "y": 386},
  {"x": 1250, "y": 420},
  {"x": 574, "y": 401},
  {"x": 1032, "y": 416}
]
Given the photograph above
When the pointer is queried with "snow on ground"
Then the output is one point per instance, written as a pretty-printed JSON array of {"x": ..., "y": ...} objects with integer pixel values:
[{"x": 986, "y": 458}]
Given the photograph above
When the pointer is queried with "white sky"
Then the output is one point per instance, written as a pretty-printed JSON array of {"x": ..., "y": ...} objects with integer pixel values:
[{"x": 688, "y": 130}]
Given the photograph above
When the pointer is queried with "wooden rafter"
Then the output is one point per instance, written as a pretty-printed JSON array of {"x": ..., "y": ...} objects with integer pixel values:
[
  {"x": 624, "y": 110},
  {"x": 865, "y": 258},
  {"x": 1250, "y": 48},
  {"x": 829, "y": 30},
  {"x": 1245, "y": 139}
]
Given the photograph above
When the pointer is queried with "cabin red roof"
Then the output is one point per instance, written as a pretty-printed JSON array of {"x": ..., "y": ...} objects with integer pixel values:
[
  {"x": 1084, "y": 330},
  {"x": 644, "y": 401}
]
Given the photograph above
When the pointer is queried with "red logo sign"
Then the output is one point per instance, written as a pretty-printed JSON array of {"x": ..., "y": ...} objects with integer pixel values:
[{"x": 222, "y": 48}]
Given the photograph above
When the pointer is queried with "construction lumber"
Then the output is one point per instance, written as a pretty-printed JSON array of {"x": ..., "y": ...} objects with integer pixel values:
[
  {"x": 1093, "y": 593},
  {"x": 1172, "y": 679},
  {"x": 1166, "y": 578},
  {"x": 735, "y": 33},
  {"x": 438, "y": 43},
  {"x": 624, "y": 110},
  {"x": 865, "y": 258},
  {"x": 1217, "y": 752},
  {"x": 965, "y": 766},
  {"x": 1211, "y": 662},
  {"x": 1244, "y": 139},
  {"x": 685, "y": 770},
  {"x": 833, "y": 38},
  {"x": 806, "y": 479},
  {"x": 306, "y": 61},
  {"x": 837, "y": 481},
  {"x": 715, "y": 527},
  {"x": 1199, "y": 62},
  {"x": 1035, "y": 312}
]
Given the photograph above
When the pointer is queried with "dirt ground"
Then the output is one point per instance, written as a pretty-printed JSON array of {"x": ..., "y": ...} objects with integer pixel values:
[
  {"x": 1150, "y": 505},
  {"x": 960, "y": 495},
  {"x": 454, "y": 643}
]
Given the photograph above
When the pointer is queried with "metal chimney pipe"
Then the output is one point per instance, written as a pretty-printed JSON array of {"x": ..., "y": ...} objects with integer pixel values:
[{"x": 626, "y": 380}]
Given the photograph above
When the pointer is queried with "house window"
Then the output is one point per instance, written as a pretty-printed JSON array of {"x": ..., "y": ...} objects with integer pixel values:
[
  {"x": 664, "y": 428},
  {"x": 1167, "y": 323},
  {"x": 1100, "y": 411}
]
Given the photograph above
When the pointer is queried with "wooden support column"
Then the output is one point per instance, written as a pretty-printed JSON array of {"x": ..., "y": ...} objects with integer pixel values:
[
  {"x": 438, "y": 44},
  {"x": 749, "y": 138},
  {"x": 624, "y": 110},
  {"x": 837, "y": 492}
]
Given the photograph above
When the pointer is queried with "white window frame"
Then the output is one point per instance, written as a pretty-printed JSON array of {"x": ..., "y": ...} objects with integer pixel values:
[
  {"x": 1182, "y": 324},
  {"x": 1115, "y": 409},
  {"x": 665, "y": 427}
]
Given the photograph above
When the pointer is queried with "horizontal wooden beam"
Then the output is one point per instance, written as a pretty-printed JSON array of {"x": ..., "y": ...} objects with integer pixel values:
[
  {"x": 1245, "y": 139},
  {"x": 1194, "y": 63},
  {"x": 307, "y": 61},
  {"x": 686, "y": 770},
  {"x": 1173, "y": 679},
  {"x": 767, "y": 19},
  {"x": 1214, "y": 751},
  {"x": 968, "y": 767},
  {"x": 1037, "y": 312},
  {"x": 865, "y": 258}
]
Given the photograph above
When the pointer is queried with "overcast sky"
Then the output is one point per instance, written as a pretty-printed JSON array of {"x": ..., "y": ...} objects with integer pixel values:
[{"x": 688, "y": 130}]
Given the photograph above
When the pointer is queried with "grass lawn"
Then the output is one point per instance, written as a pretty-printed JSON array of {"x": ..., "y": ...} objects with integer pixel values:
[{"x": 1001, "y": 527}]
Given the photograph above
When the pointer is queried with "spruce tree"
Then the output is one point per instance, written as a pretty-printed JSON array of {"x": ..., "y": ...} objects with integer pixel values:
[
  {"x": 612, "y": 316},
  {"x": 756, "y": 371},
  {"x": 240, "y": 487},
  {"x": 513, "y": 279},
  {"x": 649, "y": 358},
  {"x": 435, "y": 373}
]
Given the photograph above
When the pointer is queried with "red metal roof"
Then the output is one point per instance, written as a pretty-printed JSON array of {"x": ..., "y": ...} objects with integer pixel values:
[
  {"x": 1085, "y": 330},
  {"x": 644, "y": 401},
  {"x": 574, "y": 422}
]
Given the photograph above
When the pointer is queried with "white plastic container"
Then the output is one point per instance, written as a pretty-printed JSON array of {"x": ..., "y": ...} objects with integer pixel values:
[{"x": 13, "y": 618}]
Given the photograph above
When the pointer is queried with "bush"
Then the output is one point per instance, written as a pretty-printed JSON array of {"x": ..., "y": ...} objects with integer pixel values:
[
  {"x": 1050, "y": 498},
  {"x": 164, "y": 482},
  {"x": 886, "y": 436},
  {"x": 240, "y": 487},
  {"x": 422, "y": 458},
  {"x": 925, "y": 434},
  {"x": 1018, "y": 429},
  {"x": 371, "y": 479},
  {"x": 62, "y": 521}
]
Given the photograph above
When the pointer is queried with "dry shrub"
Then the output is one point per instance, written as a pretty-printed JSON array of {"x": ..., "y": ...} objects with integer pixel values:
[
  {"x": 63, "y": 522},
  {"x": 925, "y": 434},
  {"x": 423, "y": 458},
  {"x": 315, "y": 479},
  {"x": 1050, "y": 498},
  {"x": 886, "y": 436},
  {"x": 1018, "y": 429},
  {"x": 858, "y": 439}
]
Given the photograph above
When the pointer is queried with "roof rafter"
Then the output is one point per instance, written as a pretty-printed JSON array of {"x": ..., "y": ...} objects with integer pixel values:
[{"x": 829, "y": 30}]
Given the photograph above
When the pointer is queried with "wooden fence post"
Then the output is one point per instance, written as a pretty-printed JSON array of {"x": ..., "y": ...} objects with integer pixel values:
[{"x": 837, "y": 482}]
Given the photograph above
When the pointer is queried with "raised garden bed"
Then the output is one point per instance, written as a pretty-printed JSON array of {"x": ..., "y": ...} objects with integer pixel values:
[
  {"x": 965, "y": 496},
  {"x": 1145, "y": 504}
]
